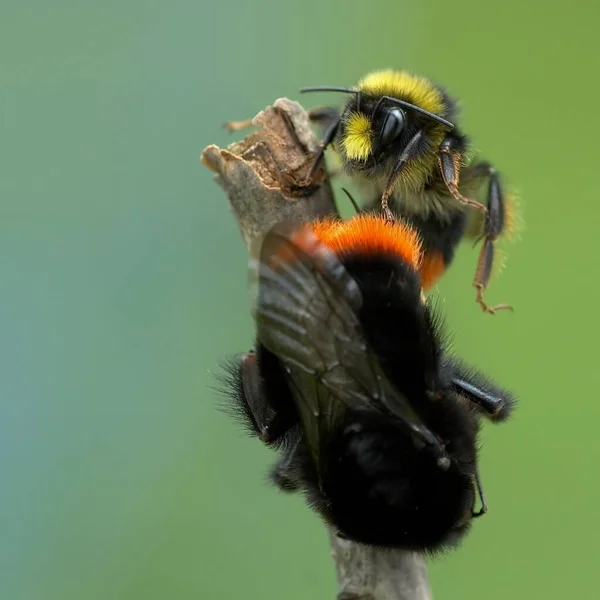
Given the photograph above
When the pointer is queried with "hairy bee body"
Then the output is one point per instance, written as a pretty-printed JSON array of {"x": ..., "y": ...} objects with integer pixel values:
[
  {"x": 372, "y": 484},
  {"x": 352, "y": 383},
  {"x": 397, "y": 138}
]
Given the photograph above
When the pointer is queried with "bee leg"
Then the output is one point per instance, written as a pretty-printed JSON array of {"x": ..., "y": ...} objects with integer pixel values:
[
  {"x": 327, "y": 117},
  {"x": 408, "y": 153},
  {"x": 269, "y": 430},
  {"x": 285, "y": 473},
  {"x": 276, "y": 428},
  {"x": 482, "y": 277},
  {"x": 496, "y": 405},
  {"x": 332, "y": 119},
  {"x": 492, "y": 229},
  {"x": 474, "y": 386},
  {"x": 324, "y": 115},
  {"x": 352, "y": 201},
  {"x": 480, "y": 492},
  {"x": 449, "y": 162},
  {"x": 492, "y": 405}
]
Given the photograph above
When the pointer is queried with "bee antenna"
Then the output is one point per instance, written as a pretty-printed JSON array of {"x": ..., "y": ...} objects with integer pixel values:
[
  {"x": 419, "y": 110},
  {"x": 397, "y": 101},
  {"x": 329, "y": 89},
  {"x": 356, "y": 207}
]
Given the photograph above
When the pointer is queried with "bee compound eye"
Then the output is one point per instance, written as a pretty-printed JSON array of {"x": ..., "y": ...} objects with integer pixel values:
[{"x": 393, "y": 126}]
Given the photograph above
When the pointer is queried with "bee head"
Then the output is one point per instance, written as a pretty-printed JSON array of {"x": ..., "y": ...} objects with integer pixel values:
[{"x": 384, "y": 112}]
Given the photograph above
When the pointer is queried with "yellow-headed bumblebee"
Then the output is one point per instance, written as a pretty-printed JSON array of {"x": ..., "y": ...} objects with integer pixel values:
[
  {"x": 352, "y": 381},
  {"x": 397, "y": 137}
]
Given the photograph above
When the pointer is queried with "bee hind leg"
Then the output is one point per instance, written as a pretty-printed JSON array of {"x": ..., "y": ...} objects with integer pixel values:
[
  {"x": 484, "y": 507},
  {"x": 286, "y": 473},
  {"x": 269, "y": 425},
  {"x": 472, "y": 385},
  {"x": 492, "y": 229}
]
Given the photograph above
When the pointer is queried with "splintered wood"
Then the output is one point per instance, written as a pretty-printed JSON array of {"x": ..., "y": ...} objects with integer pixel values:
[{"x": 266, "y": 176}]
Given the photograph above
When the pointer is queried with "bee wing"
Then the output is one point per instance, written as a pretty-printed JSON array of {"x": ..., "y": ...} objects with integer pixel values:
[{"x": 306, "y": 307}]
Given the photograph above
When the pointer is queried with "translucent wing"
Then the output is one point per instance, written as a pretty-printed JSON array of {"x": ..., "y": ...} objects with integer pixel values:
[{"x": 306, "y": 308}]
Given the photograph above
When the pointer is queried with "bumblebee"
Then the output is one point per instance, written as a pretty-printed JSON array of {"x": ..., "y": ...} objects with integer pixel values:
[
  {"x": 352, "y": 381},
  {"x": 397, "y": 137}
]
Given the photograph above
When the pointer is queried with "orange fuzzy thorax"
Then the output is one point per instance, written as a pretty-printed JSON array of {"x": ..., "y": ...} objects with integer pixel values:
[{"x": 370, "y": 234}]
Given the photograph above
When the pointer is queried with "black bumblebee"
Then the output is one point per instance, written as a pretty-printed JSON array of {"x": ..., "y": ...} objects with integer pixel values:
[
  {"x": 396, "y": 136},
  {"x": 352, "y": 381}
]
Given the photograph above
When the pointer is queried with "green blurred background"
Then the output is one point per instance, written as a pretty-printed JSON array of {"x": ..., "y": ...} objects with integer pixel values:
[{"x": 124, "y": 282}]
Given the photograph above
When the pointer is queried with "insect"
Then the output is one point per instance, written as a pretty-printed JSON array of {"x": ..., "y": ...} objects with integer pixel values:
[
  {"x": 353, "y": 382},
  {"x": 396, "y": 135}
]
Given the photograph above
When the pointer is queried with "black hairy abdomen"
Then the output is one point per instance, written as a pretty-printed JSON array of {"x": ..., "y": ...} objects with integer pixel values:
[{"x": 382, "y": 491}]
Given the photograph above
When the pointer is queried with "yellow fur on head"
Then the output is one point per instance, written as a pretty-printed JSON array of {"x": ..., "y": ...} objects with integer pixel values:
[
  {"x": 358, "y": 138},
  {"x": 403, "y": 85}
]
